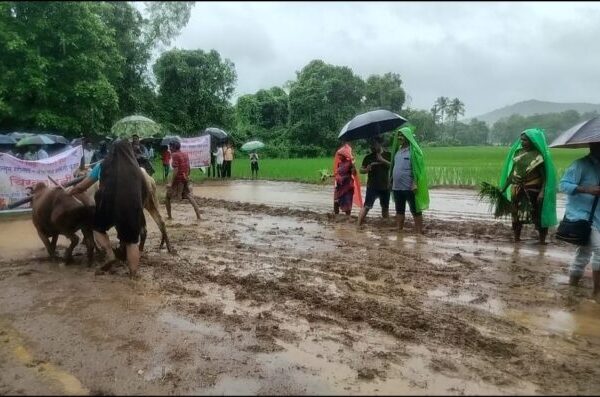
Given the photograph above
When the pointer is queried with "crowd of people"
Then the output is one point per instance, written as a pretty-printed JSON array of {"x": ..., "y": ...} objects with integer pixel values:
[{"x": 528, "y": 180}]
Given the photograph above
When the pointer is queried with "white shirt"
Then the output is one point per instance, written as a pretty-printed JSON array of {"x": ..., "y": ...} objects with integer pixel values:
[
  {"x": 87, "y": 155},
  {"x": 41, "y": 154},
  {"x": 219, "y": 156}
]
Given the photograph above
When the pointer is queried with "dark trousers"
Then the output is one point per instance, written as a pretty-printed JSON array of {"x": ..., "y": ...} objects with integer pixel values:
[
  {"x": 212, "y": 166},
  {"x": 226, "y": 173}
]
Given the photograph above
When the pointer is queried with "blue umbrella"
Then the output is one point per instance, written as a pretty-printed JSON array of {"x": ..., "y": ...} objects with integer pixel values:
[{"x": 7, "y": 140}]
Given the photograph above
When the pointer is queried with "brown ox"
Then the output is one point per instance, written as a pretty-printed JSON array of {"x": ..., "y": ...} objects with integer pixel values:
[
  {"x": 150, "y": 204},
  {"x": 54, "y": 212}
]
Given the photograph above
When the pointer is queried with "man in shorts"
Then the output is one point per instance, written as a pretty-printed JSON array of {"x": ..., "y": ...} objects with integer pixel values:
[
  {"x": 178, "y": 188},
  {"x": 377, "y": 165}
]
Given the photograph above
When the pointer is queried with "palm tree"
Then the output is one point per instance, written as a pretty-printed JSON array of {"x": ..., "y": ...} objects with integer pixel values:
[
  {"x": 442, "y": 105},
  {"x": 455, "y": 108},
  {"x": 435, "y": 113}
]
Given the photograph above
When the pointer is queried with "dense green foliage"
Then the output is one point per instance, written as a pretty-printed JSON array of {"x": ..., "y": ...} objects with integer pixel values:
[
  {"x": 76, "y": 67},
  {"x": 194, "y": 89}
]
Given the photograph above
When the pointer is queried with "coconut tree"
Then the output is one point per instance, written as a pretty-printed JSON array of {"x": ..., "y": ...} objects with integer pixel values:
[
  {"x": 442, "y": 104},
  {"x": 455, "y": 108}
]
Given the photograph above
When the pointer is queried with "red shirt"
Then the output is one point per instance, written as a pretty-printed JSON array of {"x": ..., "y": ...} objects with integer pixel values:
[
  {"x": 166, "y": 157},
  {"x": 181, "y": 161}
]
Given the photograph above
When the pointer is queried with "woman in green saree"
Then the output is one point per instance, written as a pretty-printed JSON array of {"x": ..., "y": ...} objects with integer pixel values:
[{"x": 529, "y": 171}]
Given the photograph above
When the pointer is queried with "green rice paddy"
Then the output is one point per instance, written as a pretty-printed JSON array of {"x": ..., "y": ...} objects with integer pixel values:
[{"x": 446, "y": 166}]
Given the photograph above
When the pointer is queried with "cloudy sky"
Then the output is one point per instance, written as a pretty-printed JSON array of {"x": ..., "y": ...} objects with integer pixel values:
[{"x": 487, "y": 54}]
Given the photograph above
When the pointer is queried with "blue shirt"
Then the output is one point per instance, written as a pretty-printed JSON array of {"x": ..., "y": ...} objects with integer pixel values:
[
  {"x": 95, "y": 172},
  {"x": 402, "y": 172},
  {"x": 583, "y": 172}
]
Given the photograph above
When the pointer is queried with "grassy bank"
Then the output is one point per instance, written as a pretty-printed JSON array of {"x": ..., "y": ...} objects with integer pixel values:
[{"x": 446, "y": 166}]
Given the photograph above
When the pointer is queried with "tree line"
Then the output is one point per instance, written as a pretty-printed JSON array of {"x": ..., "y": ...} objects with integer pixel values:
[{"x": 77, "y": 67}]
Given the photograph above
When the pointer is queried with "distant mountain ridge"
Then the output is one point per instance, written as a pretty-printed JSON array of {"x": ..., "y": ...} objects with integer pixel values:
[{"x": 533, "y": 106}]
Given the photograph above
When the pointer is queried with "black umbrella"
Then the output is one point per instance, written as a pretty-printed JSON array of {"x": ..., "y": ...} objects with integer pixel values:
[
  {"x": 216, "y": 133},
  {"x": 168, "y": 139},
  {"x": 580, "y": 135},
  {"x": 7, "y": 140},
  {"x": 370, "y": 124}
]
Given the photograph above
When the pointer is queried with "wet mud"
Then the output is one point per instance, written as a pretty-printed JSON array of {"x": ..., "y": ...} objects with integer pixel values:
[{"x": 268, "y": 299}]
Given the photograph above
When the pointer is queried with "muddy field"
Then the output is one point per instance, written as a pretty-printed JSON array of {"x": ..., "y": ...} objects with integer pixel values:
[{"x": 261, "y": 299}]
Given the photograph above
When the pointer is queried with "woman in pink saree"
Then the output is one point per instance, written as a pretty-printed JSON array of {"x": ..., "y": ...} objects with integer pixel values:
[{"x": 347, "y": 183}]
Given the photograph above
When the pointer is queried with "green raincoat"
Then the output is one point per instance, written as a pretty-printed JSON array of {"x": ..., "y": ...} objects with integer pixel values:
[
  {"x": 418, "y": 166},
  {"x": 538, "y": 139}
]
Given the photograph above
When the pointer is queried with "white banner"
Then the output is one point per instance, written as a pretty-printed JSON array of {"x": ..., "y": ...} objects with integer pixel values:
[
  {"x": 16, "y": 174},
  {"x": 198, "y": 150}
]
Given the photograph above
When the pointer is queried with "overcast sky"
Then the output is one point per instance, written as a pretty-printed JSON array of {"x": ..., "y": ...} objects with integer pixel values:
[{"x": 487, "y": 54}]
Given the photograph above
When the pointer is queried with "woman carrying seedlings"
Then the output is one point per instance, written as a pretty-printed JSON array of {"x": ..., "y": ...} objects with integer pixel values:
[
  {"x": 408, "y": 178},
  {"x": 529, "y": 171}
]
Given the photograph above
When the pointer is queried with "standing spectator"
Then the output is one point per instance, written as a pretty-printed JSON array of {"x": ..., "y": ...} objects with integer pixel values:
[
  {"x": 581, "y": 183},
  {"x": 101, "y": 153},
  {"x": 166, "y": 161},
  {"x": 139, "y": 149},
  {"x": 212, "y": 166},
  {"x": 141, "y": 154},
  {"x": 254, "y": 164},
  {"x": 377, "y": 165},
  {"x": 35, "y": 152},
  {"x": 408, "y": 177},
  {"x": 227, "y": 160},
  {"x": 179, "y": 188},
  {"x": 88, "y": 152},
  {"x": 219, "y": 160}
]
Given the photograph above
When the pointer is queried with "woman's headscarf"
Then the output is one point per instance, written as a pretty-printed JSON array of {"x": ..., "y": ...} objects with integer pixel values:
[
  {"x": 346, "y": 152},
  {"x": 538, "y": 140},
  {"x": 417, "y": 163},
  {"x": 121, "y": 179}
]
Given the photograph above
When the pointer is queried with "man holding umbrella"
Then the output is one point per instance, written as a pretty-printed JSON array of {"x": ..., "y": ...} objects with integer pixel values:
[
  {"x": 581, "y": 183},
  {"x": 377, "y": 165}
]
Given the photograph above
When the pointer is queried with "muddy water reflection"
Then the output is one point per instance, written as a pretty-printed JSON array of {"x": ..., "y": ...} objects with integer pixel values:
[
  {"x": 18, "y": 238},
  {"x": 445, "y": 203}
]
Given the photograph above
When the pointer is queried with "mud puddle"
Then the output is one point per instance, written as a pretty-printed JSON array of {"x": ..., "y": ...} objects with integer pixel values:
[{"x": 456, "y": 204}]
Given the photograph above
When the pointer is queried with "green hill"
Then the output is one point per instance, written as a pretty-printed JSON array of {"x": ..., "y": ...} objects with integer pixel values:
[{"x": 531, "y": 107}]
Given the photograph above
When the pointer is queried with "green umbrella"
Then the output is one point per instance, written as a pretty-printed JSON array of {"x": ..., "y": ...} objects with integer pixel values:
[
  {"x": 35, "y": 140},
  {"x": 132, "y": 125},
  {"x": 252, "y": 145}
]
